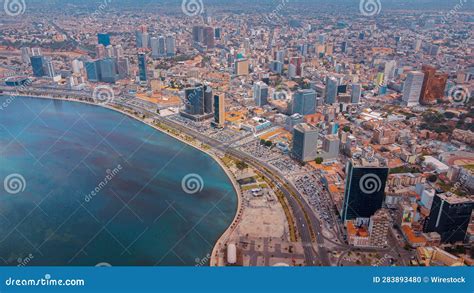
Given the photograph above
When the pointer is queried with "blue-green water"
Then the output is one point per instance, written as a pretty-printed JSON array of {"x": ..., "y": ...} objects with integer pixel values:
[{"x": 140, "y": 215}]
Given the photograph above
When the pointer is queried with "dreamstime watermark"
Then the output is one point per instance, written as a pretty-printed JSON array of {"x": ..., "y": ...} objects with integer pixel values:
[
  {"x": 103, "y": 94},
  {"x": 192, "y": 7},
  {"x": 382, "y": 260},
  {"x": 47, "y": 280},
  {"x": 462, "y": 180},
  {"x": 23, "y": 262},
  {"x": 12, "y": 97},
  {"x": 453, "y": 11},
  {"x": 192, "y": 183},
  {"x": 370, "y": 183},
  {"x": 14, "y": 183},
  {"x": 276, "y": 14},
  {"x": 370, "y": 7},
  {"x": 100, "y": 11},
  {"x": 14, "y": 7},
  {"x": 200, "y": 262},
  {"x": 281, "y": 95},
  {"x": 459, "y": 95},
  {"x": 102, "y": 184}
]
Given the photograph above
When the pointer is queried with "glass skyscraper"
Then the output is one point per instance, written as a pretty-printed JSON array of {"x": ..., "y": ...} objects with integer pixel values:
[
  {"x": 364, "y": 192},
  {"x": 37, "y": 63},
  {"x": 103, "y": 39},
  {"x": 142, "y": 67},
  {"x": 449, "y": 216},
  {"x": 304, "y": 102}
]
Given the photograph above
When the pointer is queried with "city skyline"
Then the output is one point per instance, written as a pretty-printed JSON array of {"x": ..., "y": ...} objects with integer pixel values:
[{"x": 268, "y": 133}]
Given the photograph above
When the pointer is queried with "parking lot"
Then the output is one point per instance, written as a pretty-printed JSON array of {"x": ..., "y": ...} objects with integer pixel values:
[{"x": 314, "y": 192}]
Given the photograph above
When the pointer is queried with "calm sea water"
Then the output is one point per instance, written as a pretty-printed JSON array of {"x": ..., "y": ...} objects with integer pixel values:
[{"x": 140, "y": 215}]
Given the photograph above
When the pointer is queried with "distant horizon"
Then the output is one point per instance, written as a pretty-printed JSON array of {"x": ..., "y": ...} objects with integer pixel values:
[{"x": 467, "y": 5}]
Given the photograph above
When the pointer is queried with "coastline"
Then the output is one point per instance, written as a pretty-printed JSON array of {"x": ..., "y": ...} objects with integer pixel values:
[{"x": 230, "y": 175}]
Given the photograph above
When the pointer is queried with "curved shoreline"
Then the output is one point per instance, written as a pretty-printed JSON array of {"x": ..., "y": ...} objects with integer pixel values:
[{"x": 228, "y": 173}]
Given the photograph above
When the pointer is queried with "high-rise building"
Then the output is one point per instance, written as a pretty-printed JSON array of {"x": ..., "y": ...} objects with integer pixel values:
[
  {"x": 356, "y": 93},
  {"x": 305, "y": 141},
  {"x": 304, "y": 102},
  {"x": 280, "y": 56},
  {"x": 92, "y": 70},
  {"x": 48, "y": 67},
  {"x": 417, "y": 45},
  {"x": 198, "y": 34},
  {"x": 219, "y": 111},
  {"x": 37, "y": 63},
  {"x": 100, "y": 51},
  {"x": 297, "y": 62},
  {"x": 450, "y": 216},
  {"x": 433, "y": 85},
  {"x": 389, "y": 71},
  {"x": 170, "y": 45},
  {"x": 123, "y": 67},
  {"x": 412, "y": 88},
  {"x": 260, "y": 93},
  {"x": 36, "y": 51},
  {"x": 109, "y": 51},
  {"x": 364, "y": 192},
  {"x": 77, "y": 66},
  {"x": 332, "y": 85},
  {"x": 344, "y": 47},
  {"x": 142, "y": 37},
  {"x": 103, "y": 39},
  {"x": 293, "y": 120},
  {"x": 208, "y": 37},
  {"x": 161, "y": 46},
  {"x": 108, "y": 70},
  {"x": 241, "y": 67},
  {"x": 118, "y": 51},
  {"x": 218, "y": 33},
  {"x": 142, "y": 68},
  {"x": 379, "y": 228},
  {"x": 198, "y": 103},
  {"x": 331, "y": 144},
  {"x": 26, "y": 54},
  {"x": 155, "y": 50}
]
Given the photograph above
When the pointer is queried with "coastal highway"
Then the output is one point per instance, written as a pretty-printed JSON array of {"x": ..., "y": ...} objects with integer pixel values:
[{"x": 299, "y": 207}]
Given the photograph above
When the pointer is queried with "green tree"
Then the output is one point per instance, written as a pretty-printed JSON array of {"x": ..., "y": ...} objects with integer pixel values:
[
  {"x": 241, "y": 165},
  {"x": 319, "y": 160}
]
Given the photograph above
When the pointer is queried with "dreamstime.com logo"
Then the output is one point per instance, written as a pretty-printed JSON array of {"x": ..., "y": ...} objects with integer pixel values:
[
  {"x": 192, "y": 7},
  {"x": 14, "y": 183},
  {"x": 192, "y": 183},
  {"x": 370, "y": 7},
  {"x": 44, "y": 281},
  {"x": 370, "y": 183},
  {"x": 14, "y": 7}
]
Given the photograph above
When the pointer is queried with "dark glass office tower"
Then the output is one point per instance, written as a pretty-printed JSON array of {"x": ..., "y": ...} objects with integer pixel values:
[
  {"x": 142, "y": 66},
  {"x": 37, "y": 63},
  {"x": 449, "y": 217},
  {"x": 103, "y": 39},
  {"x": 364, "y": 193}
]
